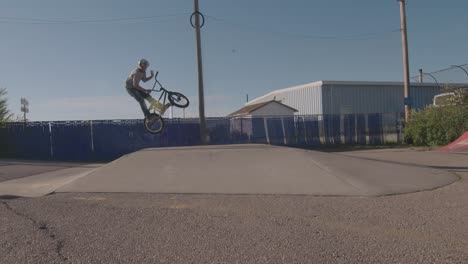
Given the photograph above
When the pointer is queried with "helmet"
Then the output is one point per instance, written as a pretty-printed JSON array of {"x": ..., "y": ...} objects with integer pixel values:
[{"x": 143, "y": 62}]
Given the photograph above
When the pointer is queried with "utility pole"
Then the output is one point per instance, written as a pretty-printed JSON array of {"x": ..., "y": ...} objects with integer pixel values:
[
  {"x": 201, "y": 96},
  {"x": 404, "y": 38}
]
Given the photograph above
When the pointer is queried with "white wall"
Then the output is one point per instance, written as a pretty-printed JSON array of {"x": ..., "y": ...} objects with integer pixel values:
[{"x": 273, "y": 109}]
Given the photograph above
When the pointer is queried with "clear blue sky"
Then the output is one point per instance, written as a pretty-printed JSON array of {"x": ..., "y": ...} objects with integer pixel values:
[{"x": 77, "y": 70}]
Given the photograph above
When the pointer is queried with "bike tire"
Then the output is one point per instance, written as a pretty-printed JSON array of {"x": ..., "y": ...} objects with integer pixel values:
[
  {"x": 178, "y": 99},
  {"x": 154, "y": 123}
]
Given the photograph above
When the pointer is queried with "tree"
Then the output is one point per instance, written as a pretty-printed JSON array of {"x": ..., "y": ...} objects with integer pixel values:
[{"x": 5, "y": 114}]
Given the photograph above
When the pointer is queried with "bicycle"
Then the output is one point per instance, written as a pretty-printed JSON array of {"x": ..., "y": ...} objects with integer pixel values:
[{"x": 154, "y": 123}]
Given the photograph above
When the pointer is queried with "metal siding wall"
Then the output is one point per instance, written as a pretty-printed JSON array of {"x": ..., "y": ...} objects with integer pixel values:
[
  {"x": 373, "y": 99},
  {"x": 326, "y": 99},
  {"x": 423, "y": 96},
  {"x": 364, "y": 99},
  {"x": 308, "y": 101}
]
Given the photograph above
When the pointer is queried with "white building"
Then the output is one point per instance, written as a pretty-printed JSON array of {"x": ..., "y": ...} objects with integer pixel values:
[
  {"x": 269, "y": 108},
  {"x": 346, "y": 97}
]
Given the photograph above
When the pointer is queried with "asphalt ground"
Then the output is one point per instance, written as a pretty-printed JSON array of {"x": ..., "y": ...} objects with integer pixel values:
[
  {"x": 421, "y": 227},
  {"x": 424, "y": 227},
  {"x": 16, "y": 169}
]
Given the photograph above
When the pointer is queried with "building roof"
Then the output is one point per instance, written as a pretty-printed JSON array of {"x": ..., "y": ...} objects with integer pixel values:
[
  {"x": 343, "y": 83},
  {"x": 246, "y": 110}
]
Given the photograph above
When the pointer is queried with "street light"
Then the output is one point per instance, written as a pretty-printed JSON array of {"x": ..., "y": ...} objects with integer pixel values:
[
  {"x": 432, "y": 76},
  {"x": 460, "y": 67},
  {"x": 24, "y": 107}
]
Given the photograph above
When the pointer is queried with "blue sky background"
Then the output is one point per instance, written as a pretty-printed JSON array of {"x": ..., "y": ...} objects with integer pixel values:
[{"x": 77, "y": 70}]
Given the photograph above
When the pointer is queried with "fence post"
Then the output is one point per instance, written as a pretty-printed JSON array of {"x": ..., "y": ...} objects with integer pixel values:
[
  {"x": 367, "y": 129},
  {"x": 92, "y": 136},
  {"x": 355, "y": 129},
  {"x": 284, "y": 131},
  {"x": 265, "y": 124},
  {"x": 51, "y": 141},
  {"x": 305, "y": 130}
]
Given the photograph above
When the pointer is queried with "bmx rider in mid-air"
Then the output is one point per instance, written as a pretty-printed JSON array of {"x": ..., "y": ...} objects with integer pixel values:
[{"x": 132, "y": 84}]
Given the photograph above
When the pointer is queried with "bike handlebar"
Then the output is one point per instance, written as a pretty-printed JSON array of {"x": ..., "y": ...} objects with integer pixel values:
[
  {"x": 161, "y": 88},
  {"x": 158, "y": 90}
]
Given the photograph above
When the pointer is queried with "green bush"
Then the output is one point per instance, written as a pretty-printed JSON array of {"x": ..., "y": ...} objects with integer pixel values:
[{"x": 438, "y": 125}]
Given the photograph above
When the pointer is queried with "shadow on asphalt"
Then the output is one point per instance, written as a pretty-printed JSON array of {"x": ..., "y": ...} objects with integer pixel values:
[
  {"x": 46, "y": 164},
  {"x": 9, "y": 197},
  {"x": 447, "y": 168}
]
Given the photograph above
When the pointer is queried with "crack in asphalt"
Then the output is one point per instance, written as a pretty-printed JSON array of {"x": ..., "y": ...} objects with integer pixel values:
[{"x": 43, "y": 228}]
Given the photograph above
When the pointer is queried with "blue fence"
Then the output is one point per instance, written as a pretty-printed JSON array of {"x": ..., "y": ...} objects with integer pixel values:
[{"x": 107, "y": 140}]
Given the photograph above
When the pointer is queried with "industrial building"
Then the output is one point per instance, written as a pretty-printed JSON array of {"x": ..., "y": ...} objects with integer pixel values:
[{"x": 347, "y": 97}]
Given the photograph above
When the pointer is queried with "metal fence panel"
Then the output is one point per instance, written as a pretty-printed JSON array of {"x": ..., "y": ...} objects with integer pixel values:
[
  {"x": 25, "y": 141},
  {"x": 332, "y": 129},
  {"x": 258, "y": 130},
  {"x": 275, "y": 131},
  {"x": 312, "y": 131},
  {"x": 72, "y": 141},
  {"x": 110, "y": 139},
  {"x": 361, "y": 129},
  {"x": 350, "y": 129},
  {"x": 375, "y": 129}
]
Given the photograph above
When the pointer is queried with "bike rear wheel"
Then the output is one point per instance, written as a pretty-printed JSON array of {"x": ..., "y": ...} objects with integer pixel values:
[
  {"x": 178, "y": 99},
  {"x": 154, "y": 123}
]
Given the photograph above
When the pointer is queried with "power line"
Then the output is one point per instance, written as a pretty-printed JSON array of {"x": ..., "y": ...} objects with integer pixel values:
[
  {"x": 443, "y": 70},
  {"x": 69, "y": 24},
  {"x": 361, "y": 36},
  {"x": 21, "y": 20}
]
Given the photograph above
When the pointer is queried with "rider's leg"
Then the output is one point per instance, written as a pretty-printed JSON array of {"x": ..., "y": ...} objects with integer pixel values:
[{"x": 140, "y": 98}]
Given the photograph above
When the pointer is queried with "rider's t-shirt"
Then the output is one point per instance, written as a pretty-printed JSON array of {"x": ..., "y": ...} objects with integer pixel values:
[{"x": 135, "y": 77}]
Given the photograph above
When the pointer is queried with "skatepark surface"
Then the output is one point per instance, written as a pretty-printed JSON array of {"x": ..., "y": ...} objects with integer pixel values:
[{"x": 256, "y": 169}]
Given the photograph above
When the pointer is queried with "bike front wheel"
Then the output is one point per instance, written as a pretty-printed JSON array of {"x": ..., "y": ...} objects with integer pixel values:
[
  {"x": 154, "y": 123},
  {"x": 178, "y": 99}
]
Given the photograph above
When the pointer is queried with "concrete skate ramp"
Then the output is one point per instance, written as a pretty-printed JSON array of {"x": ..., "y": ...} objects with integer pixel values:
[
  {"x": 256, "y": 169},
  {"x": 459, "y": 145}
]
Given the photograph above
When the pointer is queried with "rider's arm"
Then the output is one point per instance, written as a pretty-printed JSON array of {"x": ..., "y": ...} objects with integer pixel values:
[
  {"x": 136, "y": 83},
  {"x": 145, "y": 79}
]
